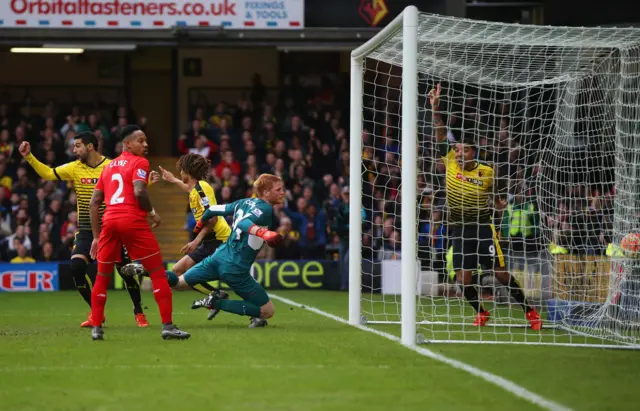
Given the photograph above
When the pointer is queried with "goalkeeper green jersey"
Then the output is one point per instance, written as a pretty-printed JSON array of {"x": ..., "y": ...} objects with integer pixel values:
[{"x": 239, "y": 252}]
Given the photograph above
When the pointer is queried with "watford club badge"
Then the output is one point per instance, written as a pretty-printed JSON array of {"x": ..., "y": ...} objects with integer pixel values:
[{"x": 373, "y": 11}]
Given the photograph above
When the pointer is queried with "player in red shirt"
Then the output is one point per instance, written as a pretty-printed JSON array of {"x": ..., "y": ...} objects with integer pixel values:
[{"x": 123, "y": 188}]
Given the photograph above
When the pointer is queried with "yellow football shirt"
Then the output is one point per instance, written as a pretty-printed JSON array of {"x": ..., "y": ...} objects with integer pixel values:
[
  {"x": 202, "y": 197},
  {"x": 468, "y": 191},
  {"x": 84, "y": 178}
]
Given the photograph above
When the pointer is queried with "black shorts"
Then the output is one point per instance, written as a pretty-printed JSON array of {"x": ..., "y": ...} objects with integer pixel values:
[
  {"x": 204, "y": 250},
  {"x": 475, "y": 244},
  {"x": 82, "y": 246}
]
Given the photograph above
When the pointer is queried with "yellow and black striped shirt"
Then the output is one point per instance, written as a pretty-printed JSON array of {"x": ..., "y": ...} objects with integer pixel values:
[
  {"x": 84, "y": 178},
  {"x": 202, "y": 197},
  {"x": 468, "y": 191}
]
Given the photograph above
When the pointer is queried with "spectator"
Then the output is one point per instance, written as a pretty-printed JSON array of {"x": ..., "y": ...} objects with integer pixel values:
[
  {"x": 19, "y": 237},
  {"x": 269, "y": 164},
  {"x": 187, "y": 139},
  {"x": 279, "y": 169},
  {"x": 339, "y": 212},
  {"x": 6, "y": 147},
  {"x": 219, "y": 115},
  {"x": 47, "y": 252},
  {"x": 24, "y": 187},
  {"x": 289, "y": 249},
  {"x": 5, "y": 225},
  {"x": 5, "y": 179},
  {"x": 228, "y": 161},
  {"x": 22, "y": 256},
  {"x": 204, "y": 147},
  {"x": 70, "y": 226},
  {"x": 311, "y": 224},
  {"x": 5, "y": 202}
]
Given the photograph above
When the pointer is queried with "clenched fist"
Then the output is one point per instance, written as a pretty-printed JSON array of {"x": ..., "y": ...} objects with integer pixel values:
[{"x": 25, "y": 148}]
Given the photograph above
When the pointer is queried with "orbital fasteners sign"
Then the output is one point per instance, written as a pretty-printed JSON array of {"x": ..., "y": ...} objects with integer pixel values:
[{"x": 146, "y": 14}]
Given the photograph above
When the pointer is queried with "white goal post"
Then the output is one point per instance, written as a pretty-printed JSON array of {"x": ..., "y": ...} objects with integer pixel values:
[{"x": 556, "y": 116}]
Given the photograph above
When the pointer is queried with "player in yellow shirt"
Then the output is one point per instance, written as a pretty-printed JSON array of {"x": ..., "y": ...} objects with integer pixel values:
[
  {"x": 470, "y": 184},
  {"x": 84, "y": 173},
  {"x": 193, "y": 169}
]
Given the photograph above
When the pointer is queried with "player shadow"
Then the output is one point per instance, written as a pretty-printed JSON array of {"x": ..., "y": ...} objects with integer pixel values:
[{"x": 235, "y": 325}]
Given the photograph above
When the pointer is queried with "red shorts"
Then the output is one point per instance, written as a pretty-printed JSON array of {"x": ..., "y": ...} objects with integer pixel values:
[{"x": 135, "y": 235}]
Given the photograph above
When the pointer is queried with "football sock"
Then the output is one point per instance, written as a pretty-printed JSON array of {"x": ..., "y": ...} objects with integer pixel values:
[
  {"x": 516, "y": 292},
  {"x": 81, "y": 278},
  {"x": 172, "y": 278},
  {"x": 203, "y": 288},
  {"x": 238, "y": 307},
  {"x": 99, "y": 298},
  {"x": 133, "y": 287},
  {"x": 471, "y": 295},
  {"x": 163, "y": 295}
]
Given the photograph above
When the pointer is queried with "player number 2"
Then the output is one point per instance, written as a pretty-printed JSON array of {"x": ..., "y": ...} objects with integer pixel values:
[{"x": 116, "y": 199}]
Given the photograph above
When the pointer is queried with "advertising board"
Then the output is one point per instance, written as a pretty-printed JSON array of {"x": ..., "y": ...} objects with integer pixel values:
[{"x": 152, "y": 14}]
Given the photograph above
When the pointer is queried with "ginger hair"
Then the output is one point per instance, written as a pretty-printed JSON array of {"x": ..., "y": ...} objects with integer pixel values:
[{"x": 265, "y": 182}]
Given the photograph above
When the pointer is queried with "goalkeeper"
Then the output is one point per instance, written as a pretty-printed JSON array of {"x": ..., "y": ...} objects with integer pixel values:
[
  {"x": 232, "y": 261},
  {"x": 469, "y": 184}
]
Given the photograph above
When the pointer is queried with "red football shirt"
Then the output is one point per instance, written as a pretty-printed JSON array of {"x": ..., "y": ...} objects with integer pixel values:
[{"x": 116, "y": 182}]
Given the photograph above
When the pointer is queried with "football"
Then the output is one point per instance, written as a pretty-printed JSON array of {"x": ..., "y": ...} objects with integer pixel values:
[{"x": 631, "y": 243}]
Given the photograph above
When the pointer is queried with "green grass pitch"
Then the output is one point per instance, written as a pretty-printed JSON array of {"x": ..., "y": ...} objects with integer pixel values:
[{"x": 301, "y": 361}]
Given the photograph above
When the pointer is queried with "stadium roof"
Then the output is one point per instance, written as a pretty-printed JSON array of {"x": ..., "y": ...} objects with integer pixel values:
[{"x": 325, "y": 38}]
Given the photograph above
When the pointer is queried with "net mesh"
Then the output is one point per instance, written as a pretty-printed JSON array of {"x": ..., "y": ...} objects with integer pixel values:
[{"x": 555, "y": 113}]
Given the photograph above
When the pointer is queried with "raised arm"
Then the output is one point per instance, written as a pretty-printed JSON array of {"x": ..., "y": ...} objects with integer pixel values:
[
  {"x": 500, "y": 191},
  {"x": 62, "y": 173},
  {"x": 168, "y": 176},
  {"x": 438, "y": 124},
  {"x": 296, "y": 218}
]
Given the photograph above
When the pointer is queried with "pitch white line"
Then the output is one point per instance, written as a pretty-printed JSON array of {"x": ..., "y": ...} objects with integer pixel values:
[{"x": 503, "y": 383}]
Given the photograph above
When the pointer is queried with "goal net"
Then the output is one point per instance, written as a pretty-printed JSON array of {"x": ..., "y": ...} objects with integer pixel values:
[{"x": 554, "y": 114}]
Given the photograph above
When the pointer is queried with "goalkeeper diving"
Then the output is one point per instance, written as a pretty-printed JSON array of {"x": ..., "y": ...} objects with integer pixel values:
[
  {"x": 231, "y": 263},
  {"x": 469, "y": 185}
]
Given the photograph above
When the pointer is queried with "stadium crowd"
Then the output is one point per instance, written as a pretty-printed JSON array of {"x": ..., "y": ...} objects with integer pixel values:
[
  {"x": 301, "y": 137},
  {"x": 38, "y": 218}
]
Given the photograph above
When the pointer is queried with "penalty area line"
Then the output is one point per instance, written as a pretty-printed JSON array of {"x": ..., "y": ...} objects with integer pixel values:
[{"x": 501, "y": 382}]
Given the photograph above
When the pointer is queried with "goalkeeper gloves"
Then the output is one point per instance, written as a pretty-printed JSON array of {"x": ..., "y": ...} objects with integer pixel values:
[
  {"x": 199, "y": 226},
  {"x": 206, "y": 216},
  {"x": 270, "y": 237}
]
